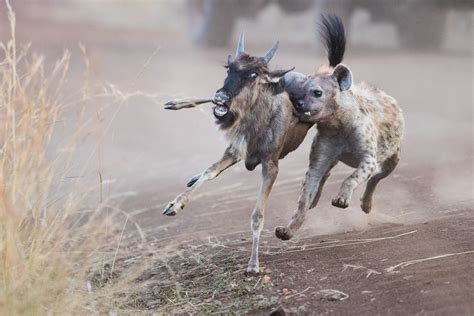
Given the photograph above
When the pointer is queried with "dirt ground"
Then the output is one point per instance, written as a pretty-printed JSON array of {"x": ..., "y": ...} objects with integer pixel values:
[
  {"x": 413, "y": 255},
  {"x": 423, "y": 269}
]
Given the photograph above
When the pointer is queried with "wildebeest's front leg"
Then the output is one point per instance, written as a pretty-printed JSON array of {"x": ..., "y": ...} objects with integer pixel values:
[
  {"x": 322, "y": 160},
  {"x": 229, "y": 158},
  {"x": 367, "y": 167},
  {"x": 269, "y": 175}
]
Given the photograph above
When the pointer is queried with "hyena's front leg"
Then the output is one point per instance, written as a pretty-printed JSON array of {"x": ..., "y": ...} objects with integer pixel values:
[
  {"x": 322, "y": 160},
  {"x": 229, "y": 158},
  {"x": 269, "y": 175},
  {"x": 367, "y": 167}
]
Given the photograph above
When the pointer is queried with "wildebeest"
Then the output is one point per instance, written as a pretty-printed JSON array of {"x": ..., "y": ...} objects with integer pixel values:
[
  {"x": 257, "y": 116},
  {"x": 357, "y": 124}
]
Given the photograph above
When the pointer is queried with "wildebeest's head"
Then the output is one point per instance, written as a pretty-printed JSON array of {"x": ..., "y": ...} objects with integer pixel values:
[
  {"x": 246, "y": 77},
  {"x": 321, "y": 93}
]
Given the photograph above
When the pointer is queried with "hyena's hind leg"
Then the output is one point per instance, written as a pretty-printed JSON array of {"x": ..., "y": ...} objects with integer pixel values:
[{"x": 387, "y": 168}]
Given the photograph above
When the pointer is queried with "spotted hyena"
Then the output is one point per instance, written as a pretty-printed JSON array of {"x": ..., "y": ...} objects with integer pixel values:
[{"x": 357, "y": 124}]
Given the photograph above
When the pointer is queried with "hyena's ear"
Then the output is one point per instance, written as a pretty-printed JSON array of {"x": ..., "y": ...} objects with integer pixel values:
[
  {"x": 276, "y": 75},
  {"x": 343, "y": 76}
]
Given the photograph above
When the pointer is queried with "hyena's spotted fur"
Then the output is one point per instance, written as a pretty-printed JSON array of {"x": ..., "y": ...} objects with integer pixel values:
[{"x": 357, "y": 124}]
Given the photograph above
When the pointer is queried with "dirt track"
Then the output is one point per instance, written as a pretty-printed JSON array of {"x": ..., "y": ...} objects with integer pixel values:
[
  {"x": 370, "y": 269},
  {"x": 429, "y": 196}
]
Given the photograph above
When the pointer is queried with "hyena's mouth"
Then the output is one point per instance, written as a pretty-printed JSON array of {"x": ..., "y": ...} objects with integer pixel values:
[
  {"x": 309, "y": 113},
  {"x": 220, "y": 110}
]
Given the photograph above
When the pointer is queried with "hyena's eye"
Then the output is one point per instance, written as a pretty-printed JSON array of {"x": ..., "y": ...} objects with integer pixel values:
[
  {"x": 317, "y": 93},
  {"x": 253, "y": 75}
]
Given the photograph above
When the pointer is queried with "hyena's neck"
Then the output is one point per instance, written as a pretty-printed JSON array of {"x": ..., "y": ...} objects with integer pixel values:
[{"x": 343, "y": 119}]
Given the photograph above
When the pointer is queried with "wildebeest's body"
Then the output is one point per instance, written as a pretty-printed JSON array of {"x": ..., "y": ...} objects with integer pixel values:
[
  {"x": 254, "y": 110},
  {"x": 266, "y": 130}
]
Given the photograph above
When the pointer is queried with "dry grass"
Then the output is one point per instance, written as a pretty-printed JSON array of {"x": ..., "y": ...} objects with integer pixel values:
[
  {"x": 203, "y": 278},
  {"x": 48, "y": 247},
  {"x": 55, "y": 255},
  {"x": 62, "y": 254}
]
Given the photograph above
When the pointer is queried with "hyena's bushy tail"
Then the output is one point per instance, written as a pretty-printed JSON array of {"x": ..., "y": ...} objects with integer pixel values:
[{"x": 332, "y": 32}]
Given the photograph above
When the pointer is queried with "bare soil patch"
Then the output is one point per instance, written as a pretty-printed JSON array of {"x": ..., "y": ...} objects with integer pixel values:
[{"x": 391, "y": 269}]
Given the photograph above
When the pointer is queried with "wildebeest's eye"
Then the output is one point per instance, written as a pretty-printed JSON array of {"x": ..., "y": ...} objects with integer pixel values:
[
  {"x": 317, "y": 93},
  {"x": 253, "y": 75}
]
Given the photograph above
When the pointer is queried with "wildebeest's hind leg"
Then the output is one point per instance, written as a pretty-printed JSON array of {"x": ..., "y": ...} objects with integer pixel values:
[
  {"x": 269, "y": 175},
  {"x": 387, "y": 167},
  {"x": 229, "y": 158}
]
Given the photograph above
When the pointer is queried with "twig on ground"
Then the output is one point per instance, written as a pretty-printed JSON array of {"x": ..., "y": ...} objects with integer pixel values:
[
  {"x": 342, "y": 244},
  {"x": 299, "y": 293},
  {"x": 258, "y": 281},
  {"x": 357, "y": 267},
  {"x": 405, "y": 264}
]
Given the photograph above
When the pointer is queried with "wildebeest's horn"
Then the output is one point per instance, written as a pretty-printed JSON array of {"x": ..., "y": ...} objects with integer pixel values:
[
  {"x": 268, "y": 55},
  {"x": 240, "y": 45}
]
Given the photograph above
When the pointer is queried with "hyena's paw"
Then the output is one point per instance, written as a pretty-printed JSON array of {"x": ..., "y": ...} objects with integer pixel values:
[
  {"x": 340, "y": 201},
  {"x": 173, "y": 207},
  {"x": 366, "y": 206},
  {"x": 284, "y": 233}
]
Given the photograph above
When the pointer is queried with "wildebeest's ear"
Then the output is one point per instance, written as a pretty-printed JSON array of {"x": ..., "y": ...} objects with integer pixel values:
[
  {"x": 276, "y": 75},
  {"x": 343, "y": 76}
]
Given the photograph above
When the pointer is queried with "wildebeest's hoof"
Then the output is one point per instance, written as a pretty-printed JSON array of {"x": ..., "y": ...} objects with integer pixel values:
[
  {"x": 193, "y": 180},
  {"x": 252, "y": 270},
  {"x": 283, "y": 233},
  {"x": 170, "y": 210},
  {"x": 169, "y": 105},
  {"x": 340, "y": 202}
]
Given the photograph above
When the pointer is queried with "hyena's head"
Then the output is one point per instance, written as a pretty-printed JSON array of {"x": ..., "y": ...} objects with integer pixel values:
[
  {"x": 247, "y": 77},
  {"x": 321, "y": 92},
  {"x": 324, "y": 88}
]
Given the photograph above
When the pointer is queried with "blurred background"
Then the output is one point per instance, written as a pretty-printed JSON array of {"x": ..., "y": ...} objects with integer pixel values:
[
  {"x": 411, "y": 24},
  {"x": 419, "y": 51}
]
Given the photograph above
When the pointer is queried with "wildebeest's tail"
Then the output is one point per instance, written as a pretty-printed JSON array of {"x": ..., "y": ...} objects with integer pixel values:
[{"x": 331, "y": 29}]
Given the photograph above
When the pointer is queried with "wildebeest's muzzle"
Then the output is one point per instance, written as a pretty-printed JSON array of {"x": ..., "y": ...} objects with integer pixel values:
[{"x": 222, "y": 100}]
